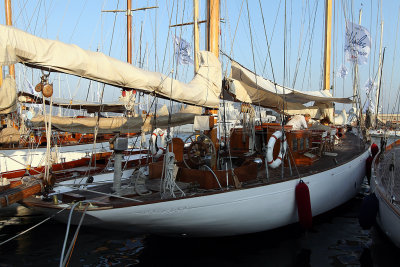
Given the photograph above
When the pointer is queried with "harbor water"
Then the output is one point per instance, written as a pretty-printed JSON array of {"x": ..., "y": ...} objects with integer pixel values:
[{"x": 336, "y": 239}]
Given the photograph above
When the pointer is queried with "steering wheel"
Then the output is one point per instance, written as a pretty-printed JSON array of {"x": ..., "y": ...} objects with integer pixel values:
[{"x": 200, "y": 151}]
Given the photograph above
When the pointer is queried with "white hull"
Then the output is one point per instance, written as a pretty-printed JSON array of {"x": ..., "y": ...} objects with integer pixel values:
[
  {"x": 385, "y": 185},
  {"x": 16, "y": 159},
  {"x": 389, "y": 218},
  {"x": 234, "y": 212}
]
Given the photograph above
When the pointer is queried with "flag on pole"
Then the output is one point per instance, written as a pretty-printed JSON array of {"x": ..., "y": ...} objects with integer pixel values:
[
  {"x": 183, "y": 50},
  {"x": 358, "y": 43},
  {"x": 370, "y": 87},
  {"x": 342, "y": 72}
]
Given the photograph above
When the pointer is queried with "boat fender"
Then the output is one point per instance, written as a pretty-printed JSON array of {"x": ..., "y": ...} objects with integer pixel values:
[
  {"x": 270, "y": 150},
  {"x": 368, "y": 211},
  {"x": 155, "y": 150},
  {"x": 303, "y": 205},
  {"x": 374, "y": 150}
]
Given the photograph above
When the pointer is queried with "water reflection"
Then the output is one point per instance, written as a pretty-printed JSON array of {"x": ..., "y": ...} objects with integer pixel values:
[{"x": 336, "y": 239}]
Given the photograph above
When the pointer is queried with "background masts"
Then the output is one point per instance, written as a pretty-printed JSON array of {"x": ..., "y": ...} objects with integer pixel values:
[{"x": 128, "y": 12}]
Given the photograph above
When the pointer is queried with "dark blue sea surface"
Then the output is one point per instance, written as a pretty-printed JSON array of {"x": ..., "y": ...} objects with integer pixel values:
[{"x": 336, "y": 239}]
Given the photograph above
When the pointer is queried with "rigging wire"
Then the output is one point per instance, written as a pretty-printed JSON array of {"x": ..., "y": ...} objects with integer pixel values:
[
  {"x": 255, "y": 76},
  {"x": 272, "y": 35},
  {"x": 101, "y": 107},
  {"x": 309, "y": 52},
  {"x": 394, "y": 58},
  {"x": 283, "y": 88},
  {"x": 77, "y": 21},
  {"x": 234, "y": 36},
  {"x": 269, "y": 54},
  {"x": 62, "y": 19},
  {"x": 168, "y": 34},
  {"x": 300, "y": 49},
  {"x": 34, "y": 226}
]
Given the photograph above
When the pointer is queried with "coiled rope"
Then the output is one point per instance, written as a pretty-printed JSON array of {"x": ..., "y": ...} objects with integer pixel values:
[{"x": 168, "y": 176}]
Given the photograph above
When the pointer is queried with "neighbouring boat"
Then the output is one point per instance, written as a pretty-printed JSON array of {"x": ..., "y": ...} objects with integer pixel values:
[
  {"x": 383, "y": 133},
  {"x": 199, "y": 186},
  {"x": 386, "y": 187}
]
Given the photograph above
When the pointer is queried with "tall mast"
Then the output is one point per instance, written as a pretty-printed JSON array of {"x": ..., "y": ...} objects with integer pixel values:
[
  {"x": 7, "y": 4},
  {"x": 328, "y": 36},
  {"x": 128, "y": 12},
  {"x": 196, "y": 37},
  {"x": 213, "y": 46},
  {"x": 129, "y": 31},
  {"x": 213, "y": 27}
]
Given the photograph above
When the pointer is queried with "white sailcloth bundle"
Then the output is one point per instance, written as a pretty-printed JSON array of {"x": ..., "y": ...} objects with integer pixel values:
[
  {"x": 120, "y": 124},
  {"x": 251, "y": 88},
  {"x": 17, "y": 46},
  {"x": 8, "y": 96}
]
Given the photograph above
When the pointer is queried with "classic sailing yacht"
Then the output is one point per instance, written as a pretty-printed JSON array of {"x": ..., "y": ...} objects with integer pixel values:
[{"x": 197, "y": 187}]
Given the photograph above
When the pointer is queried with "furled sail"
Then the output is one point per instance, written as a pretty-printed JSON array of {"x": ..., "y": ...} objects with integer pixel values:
[
  {"x": 90, "y": 107},
  {"x": 8, "y": 96},
  {"x": 250, "y": 88},
  {"x": 119, "y": 124},
  {"x": 19, "y": 46}
]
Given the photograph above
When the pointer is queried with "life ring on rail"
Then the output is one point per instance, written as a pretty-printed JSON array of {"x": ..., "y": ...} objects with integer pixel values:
[
  {"x": 153, "y": 147},
  {"x": 270, "y": 150}
]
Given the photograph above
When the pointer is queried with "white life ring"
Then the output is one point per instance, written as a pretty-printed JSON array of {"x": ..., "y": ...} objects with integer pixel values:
[
  {"x": 270, "y": 150},
  {"x": 157, "y": 132}
]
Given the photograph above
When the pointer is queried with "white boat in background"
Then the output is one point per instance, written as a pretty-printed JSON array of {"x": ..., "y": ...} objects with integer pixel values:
[
  {"x": 17, "y": 159},
  {"x": 379, "y": 133},
  {"x": 386, "y": 186}
]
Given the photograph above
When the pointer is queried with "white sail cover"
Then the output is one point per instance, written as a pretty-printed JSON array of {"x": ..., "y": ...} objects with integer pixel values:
[
  {"x": 250, "y": 88},
  {"x": 8, "y": 96},
  {"x": 91, "y": 107},
  {"x": 119, "y": 124},
  {"x": 19, "y": 46}
]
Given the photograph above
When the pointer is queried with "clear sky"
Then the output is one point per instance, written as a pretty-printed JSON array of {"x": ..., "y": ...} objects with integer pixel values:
[{"x": 296, "y": 52}]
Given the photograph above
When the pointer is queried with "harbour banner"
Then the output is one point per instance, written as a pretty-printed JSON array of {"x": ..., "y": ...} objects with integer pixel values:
[
  {"x": 357, "y": 43},
  {"x": 342, "y": 72},
  {"x": 183, "y": 50}
]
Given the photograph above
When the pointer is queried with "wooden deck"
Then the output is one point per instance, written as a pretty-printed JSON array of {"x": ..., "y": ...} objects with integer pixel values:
[{"x": 349, "y": 147}]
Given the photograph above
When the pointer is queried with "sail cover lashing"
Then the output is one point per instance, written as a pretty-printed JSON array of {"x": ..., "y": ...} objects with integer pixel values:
[
  {"x": 120, "y": 124},
  {"x": 17, "y": 46},
  {"x": 250, "y": 88}
]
